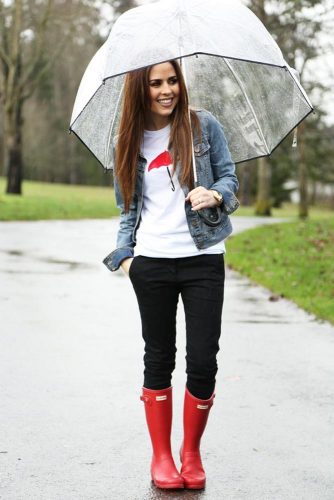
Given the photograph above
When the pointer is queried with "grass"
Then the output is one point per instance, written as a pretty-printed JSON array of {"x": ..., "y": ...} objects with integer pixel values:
[
  {"x": 41, "y": 200},
  {"x": 293, "y": 259},
  {"x": 289, "y": 210}
]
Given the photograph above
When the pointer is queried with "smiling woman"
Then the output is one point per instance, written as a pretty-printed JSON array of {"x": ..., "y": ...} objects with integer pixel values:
[
  {"x": 154, "y": 97},
  {"x": 164, "y": 95},
  {"x": 168, "y": 250}
]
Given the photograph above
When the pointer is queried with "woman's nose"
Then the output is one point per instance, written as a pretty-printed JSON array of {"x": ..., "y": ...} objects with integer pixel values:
[{"x": 166, "y": 88}]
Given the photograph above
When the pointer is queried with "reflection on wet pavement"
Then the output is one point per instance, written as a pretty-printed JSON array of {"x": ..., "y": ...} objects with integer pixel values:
[
  {"x": 17, "y": 253},
  {"x": 19, "y": 267},
  {"x": 155, "y": 494},
  {"x": 71, "y": 423}
]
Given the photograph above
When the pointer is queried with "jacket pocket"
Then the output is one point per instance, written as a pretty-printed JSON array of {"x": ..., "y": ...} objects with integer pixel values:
[{"x": 201, "y": 148}]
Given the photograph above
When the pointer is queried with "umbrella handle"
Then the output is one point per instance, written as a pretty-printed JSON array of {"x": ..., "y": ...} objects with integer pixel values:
[{"x": 211, "y": 216}]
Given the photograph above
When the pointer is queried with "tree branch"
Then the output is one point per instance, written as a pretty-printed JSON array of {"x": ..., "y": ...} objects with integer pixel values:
[
  {"x": 40, "y": 40},
  {"x": 31, "y": 85},
  {"x": 3, "y": 30}
]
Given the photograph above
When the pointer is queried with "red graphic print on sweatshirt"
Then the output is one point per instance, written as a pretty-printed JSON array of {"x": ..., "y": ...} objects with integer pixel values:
[{"x": 162, "y": 160}]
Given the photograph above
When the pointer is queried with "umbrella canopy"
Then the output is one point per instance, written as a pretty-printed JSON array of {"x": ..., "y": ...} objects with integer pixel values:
[{"x": 235, "y": 69}]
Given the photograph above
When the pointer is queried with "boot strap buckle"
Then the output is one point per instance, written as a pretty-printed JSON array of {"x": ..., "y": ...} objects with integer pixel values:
[{"x": 146, "y": 400}]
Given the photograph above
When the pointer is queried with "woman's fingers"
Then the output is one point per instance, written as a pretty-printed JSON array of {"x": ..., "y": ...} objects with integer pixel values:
[
  {"x": 201, "y": 198},
  {"x": 197, "y": 196},
  {"x": 195, "y": 192}
]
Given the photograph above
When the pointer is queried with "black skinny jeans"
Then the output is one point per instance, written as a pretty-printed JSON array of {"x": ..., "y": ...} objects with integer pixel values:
[{"x": 157, "y": 283}]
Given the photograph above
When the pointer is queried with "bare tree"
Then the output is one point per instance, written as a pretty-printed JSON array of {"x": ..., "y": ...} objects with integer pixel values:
[
  {"x": 11, "y": 58},
  {"x": 121, "y": 6},
  {"x": 24, "y": 29},
  {"x": 297, "y": 26},
  {"x": 19, "y": 79},
  {"x": 50, "y": 154},
  {"x": 263, "y": 199}
]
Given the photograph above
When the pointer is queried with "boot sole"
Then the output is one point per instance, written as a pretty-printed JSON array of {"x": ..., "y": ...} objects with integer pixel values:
[
  {"x": 189, "y": 486},
  {"x": 169, "y": 486}
]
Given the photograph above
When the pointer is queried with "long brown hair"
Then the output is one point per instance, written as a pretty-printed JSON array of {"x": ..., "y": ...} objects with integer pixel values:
[{"x": 135, "y": 107}]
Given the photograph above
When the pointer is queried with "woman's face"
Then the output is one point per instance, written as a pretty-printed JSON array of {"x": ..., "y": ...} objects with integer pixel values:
[{"x": 164, "y": 93}]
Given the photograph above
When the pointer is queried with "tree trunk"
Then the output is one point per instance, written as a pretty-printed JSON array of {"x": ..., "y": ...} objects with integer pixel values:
[
  {"x": 13, "y": 103},
  {"x": 245, "y": 186},
  {"x": 13, "y": 149},
  {"x": 263, "y": 201},
  {"x": 303, "y": 176},
  {"x": 331, "y": 200},
  {"x": 314, "y": 192}
]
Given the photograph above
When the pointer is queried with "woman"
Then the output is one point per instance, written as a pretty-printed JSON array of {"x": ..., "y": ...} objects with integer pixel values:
[{"x": 168, "y": 250}]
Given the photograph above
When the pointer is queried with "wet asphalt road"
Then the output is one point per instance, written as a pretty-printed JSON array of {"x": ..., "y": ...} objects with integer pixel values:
[{"x": 71, "y": 423}]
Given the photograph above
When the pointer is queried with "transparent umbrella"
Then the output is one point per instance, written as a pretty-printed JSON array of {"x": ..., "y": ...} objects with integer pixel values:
[{"x": 234, "y": 69}]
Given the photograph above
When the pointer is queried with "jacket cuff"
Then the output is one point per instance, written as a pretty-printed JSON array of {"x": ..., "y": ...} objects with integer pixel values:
[
  {"x": 115, "y": 258},
  {"x": 230, "y": 202}
]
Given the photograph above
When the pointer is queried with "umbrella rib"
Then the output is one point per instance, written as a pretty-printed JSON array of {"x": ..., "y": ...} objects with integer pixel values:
[
  {"x": 183, "y": 66},
  {"x": 111, "y": 128},
  {"x": 239, "y": 82},
  {"x": 163, "y": 27}
]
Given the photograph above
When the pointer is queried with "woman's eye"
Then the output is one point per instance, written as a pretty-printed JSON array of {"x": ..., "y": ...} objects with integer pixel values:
[
  {"x": 155, "y": 83},
  {"x": 172, "y": 81}
]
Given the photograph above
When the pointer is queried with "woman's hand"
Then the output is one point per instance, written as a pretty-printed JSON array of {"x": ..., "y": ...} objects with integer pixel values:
[
  {"x": 125, "y": 265},
  {"x": 201, "y": 198}
]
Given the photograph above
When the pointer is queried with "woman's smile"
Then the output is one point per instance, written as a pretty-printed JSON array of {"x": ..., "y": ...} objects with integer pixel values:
[
  {"x": 164, "y": 93},
  {"x": 166, "y": 102}
]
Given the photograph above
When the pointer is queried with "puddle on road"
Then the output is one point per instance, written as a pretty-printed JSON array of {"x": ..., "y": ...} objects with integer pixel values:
[
  {"x": 264, "y": 321},
  {"x": 158, "y": 494},
  {"x": 253, "y": 299},
  {"x": 28, "y": 271},
  {"x": 17, "y": 253},
  {"x": 71, "y": 265}
]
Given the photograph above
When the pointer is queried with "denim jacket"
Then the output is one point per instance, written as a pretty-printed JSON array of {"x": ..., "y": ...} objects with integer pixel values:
[{"x": 215, "y": 170}]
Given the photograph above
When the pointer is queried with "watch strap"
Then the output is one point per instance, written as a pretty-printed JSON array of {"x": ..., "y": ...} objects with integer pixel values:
[{"x": 217, "y": 196}]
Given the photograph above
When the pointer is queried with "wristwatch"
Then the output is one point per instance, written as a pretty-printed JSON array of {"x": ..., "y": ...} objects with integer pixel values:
[{"x": 217, "y": 196}]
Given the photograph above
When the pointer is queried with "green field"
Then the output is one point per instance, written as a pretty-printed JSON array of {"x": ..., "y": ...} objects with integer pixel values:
[
  {"x": 294, "y": 259},
  {"x": 41, "y": 200},
  {"x": 289, "y": 210}
]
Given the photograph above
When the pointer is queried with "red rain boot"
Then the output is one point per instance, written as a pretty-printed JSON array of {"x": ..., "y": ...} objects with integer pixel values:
[
  {"x": 158, "y": 409},
  {"x": 195, "y": 416}
]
